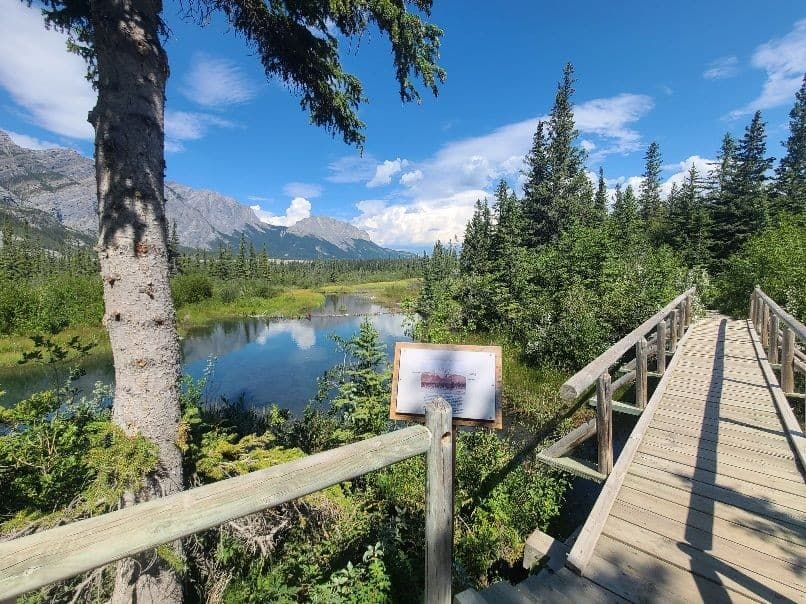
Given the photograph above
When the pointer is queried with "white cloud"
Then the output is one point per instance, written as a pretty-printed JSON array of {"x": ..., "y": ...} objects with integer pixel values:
[
  {"x": 722, "y": 68},
  {"x": 385, "y": 171},
  {"x": 302, "y": 189},
  {"x": 216, "y": 82},
  {"x": 46, "y": 81},
  {"x": 417, "y": 224},
  {"x": 409, "y": 178},
  {"x": 257, "y": 198},
  {"x": 298, "y": 209},
  {"x": 703, "y": 165},
  {"x": 29, "y": 142},
  {"x": 182, "y": 126},
  {"x": 784, "y": 60},
  {"x": 439, "y": 194},
  {"x": 351, "y": 168}
]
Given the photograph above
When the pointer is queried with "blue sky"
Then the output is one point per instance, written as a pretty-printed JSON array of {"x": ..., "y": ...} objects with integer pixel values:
[{"x": 681, "y": 74}]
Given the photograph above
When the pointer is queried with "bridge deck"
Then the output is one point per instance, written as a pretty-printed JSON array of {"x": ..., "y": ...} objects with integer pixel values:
[{"x": 713, "y": 506}]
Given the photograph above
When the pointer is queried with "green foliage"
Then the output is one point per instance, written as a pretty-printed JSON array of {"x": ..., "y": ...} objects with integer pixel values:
[
  {"x": 772, "y": 260},
  {"x": 791, "y": 172},
  {"x": 191, "y": 288}
]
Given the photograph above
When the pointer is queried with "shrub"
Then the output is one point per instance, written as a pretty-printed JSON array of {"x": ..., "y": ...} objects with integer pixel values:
[{"x": 191, "y": 288}]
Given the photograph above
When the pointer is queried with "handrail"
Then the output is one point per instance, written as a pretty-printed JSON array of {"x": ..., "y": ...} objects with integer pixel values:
[
  {"x": 582, "y": 381},
  {"x": 33, "y": 561},
  {"x": 795, "y": 325}
]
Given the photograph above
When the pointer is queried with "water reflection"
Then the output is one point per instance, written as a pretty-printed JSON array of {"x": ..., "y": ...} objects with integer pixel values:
[{"x": 264, "y": 361}]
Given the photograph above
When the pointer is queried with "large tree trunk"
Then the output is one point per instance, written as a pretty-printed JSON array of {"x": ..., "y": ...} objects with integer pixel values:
[{"x": 133, "y": 252}]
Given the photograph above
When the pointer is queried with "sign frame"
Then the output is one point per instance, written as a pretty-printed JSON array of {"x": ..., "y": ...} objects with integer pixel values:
[{"x": 496, "y": 423}]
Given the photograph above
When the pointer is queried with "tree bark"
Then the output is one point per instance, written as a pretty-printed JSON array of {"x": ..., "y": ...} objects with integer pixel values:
[{"x": 133, "y": 252}]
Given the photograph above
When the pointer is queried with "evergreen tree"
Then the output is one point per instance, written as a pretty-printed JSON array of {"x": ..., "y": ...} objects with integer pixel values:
[
  {"x": 476, "y": 248},
  {"x": 791, "y": 172},
  {"x": 173, "y": 250},
  {"x": 558, "y": 192},
  {"x": 600, "y": 201},
  {"x": 507, "y": 235},
  {"x": 747, "y": 188},
  {"x": 625, "y": 219},
  {"x": 651, "y": 206},
  {"x": 720, "y": 202}
]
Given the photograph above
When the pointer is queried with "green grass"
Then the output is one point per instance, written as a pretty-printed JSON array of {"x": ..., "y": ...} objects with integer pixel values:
[
  {"x": 12, "y": 346},
  {"x": 290, "y": 303},
  {"x": 388, "y": 293}
]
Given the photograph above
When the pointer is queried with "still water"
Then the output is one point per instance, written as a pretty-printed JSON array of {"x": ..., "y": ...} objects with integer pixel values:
[{"x": 265, "y": 361}]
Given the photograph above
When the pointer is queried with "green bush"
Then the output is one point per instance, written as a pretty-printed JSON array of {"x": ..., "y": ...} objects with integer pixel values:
[
  {"x": 191, "y": 288},
  {"x": 774, "y": 260}
]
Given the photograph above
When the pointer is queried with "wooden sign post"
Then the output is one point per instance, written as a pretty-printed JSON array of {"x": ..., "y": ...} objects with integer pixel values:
[{"x": 468, "y": 378}]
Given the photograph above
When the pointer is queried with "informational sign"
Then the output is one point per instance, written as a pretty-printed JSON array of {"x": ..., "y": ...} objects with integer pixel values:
[{"x": 467, "y": 377}]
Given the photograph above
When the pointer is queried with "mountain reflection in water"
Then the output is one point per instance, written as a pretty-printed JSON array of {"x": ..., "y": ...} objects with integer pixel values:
[{"x": 265, "y": 361}]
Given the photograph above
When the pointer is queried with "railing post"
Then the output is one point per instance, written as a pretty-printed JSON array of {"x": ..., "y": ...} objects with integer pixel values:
[
  {"x": 660, "y": 341},
  {"x": 680, "y": 327},
  {"x": 772, "y": 346},
  {"x": 673, "y": 331},
  {"x": 439, "y": 503},
  {"x": 788, "y": 360},
  {"x": 689, "y": 308},
  {"x": 765, "y": 325},
  {"x": 753, "y": 303},
  {"x": 640, "y": 373},
  {"x": 604, "y": 423}
]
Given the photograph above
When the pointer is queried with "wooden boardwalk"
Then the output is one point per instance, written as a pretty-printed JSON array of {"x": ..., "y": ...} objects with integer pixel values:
[{"x": 712, "y": 506}]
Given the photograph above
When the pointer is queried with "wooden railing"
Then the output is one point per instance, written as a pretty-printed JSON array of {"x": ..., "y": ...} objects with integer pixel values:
[
  {"x": 779, "y": 331},
  {"x": 668, "y": 324},
  {"x": 55, "y": 554},
  {"x": 778, "y": 346}
]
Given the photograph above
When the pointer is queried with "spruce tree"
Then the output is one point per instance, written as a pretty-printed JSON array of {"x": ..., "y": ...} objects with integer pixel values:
[
  {"x": 475, "y": 256},
  {"x": 652, "y": 209},
  {"x": 558, "y": 192},
  {"x": 625, "y": 219},
  {"x": 507, "y": 235},
  {"x": 791, "y": 172},
  {"x": 600, "y": 201},
  {"x": 747, "y": 188},
  {"x": 720, "y": 202}
]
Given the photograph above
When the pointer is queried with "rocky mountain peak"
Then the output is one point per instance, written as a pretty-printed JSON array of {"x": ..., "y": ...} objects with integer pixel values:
[{"x": 339, "y": 233}]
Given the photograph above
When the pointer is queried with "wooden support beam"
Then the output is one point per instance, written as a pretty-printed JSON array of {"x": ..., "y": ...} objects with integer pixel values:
[
  {"x": 673, "y": 331},
  {"x": 541, "y": 546},
  {"x": 787, "y": 360},
  {"x": 571, "y": 440},
  {"x": 573, "y": 466},
  {"x": 640, "y": 374},
  {"x": 689, "y": 309},
  {"x": 772, "y": 345},
  {"x": 681, "y": 328},
  {"x": 439, "y": 503},
  {"x": 661, "y": 343},
  {"x": 765, "y": 325},
  {"x": 619, "y": 407},
  {"x": 604, "y": 423}
]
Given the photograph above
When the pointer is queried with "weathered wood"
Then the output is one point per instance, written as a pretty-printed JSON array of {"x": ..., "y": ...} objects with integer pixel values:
[
  {"x": 619, "y": 407},
  {"x": 793, "y": 430},
  {"x": 571, "y": 440},
  {"x": 36, "y": 560},
  {"x": 681, "y": 328},
  {"x": 582, "y": 550},
  {"x": 787, "y": 360},
  {"x": 573, "y": 466},
  {"x": 795, "y": 325},
  {"x": 439, "y": 503},
  {"x": 673, "y": 331},
  {"x": 625, "y": 380},
  {"x": 539, "y": 545},
  {"x": 660, "y": 366},
  {"x": 753, "y": 302},
  {"x": 689, "y": 309},
  {"x": 765, "y": 325},
  {"x": 640, "y": 374},
  {"x": 584, "y": 379},
  {"x": 772, "y": 345},
  {"x": 604, "y": 423}
]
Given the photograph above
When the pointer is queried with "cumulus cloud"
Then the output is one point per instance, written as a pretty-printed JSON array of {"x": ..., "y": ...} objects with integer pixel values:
[
  {"x": 438, "y": 194},
  {"x": 43, "y": 79},
  {"x": 385, "y": 171},
  {"x": 721, "y": 68},
  {"x": 703, "y": 165},
  {"x": 30, "y": 142},
  {"x": 183, "y": 126},
  {"x": 418, "y": 224},
  {"x": 298, "y": 209},
  {"x": 302, "y": 189},
  {"x": 784, "y": 60},
  {"x": 217, "y": 82},
  {"x": 409, "y": 178}
]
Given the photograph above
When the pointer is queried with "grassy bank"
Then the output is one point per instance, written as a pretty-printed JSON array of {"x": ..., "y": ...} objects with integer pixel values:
[
  {"x": 13, "y": 346},
  {"x": 291, "y": 303},
  {"x": 388, "y": 293}
]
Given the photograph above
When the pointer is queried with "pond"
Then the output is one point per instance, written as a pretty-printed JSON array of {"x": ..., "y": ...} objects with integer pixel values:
[{"x": 262, "y": 360}]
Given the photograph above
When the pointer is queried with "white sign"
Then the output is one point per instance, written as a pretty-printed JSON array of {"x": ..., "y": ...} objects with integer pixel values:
[{"x": 467, "y": 377}]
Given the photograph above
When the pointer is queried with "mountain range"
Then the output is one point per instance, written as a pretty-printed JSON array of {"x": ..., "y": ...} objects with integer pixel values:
[{"x": 53, "y": 191}]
